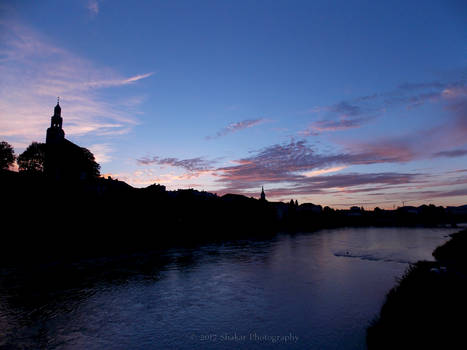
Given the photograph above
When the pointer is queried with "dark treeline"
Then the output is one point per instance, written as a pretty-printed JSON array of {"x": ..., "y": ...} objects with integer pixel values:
[{"x": 45, "y": 218}]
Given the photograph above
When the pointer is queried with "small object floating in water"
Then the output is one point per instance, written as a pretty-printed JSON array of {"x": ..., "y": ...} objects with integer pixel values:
[{"x": 441, "y": 269}]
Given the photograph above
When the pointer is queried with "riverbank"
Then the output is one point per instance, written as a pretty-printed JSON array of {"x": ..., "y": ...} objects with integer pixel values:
[{"x": 426, "y": 309}]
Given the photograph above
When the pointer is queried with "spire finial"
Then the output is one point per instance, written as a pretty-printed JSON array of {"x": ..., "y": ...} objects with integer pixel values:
[{"x": 58, "y": 100}]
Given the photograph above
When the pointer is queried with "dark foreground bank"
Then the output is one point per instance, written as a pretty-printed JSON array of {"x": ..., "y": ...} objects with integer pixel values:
[{"x": 427, "y": 308}]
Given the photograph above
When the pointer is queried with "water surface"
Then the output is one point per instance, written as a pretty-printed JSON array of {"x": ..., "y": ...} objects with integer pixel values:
[{"x": 304, "y": 291}]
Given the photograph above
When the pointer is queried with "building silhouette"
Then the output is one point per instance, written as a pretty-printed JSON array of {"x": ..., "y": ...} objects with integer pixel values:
[
  {"x": 65, "y": 160},
  {"x": 263, "y": 195}
]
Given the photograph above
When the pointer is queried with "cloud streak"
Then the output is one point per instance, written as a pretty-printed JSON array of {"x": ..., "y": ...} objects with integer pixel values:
[
  {"x": 191, "y": 164},
  {"x": 237, "y": 126},
  {"x": 343, "y": 123},
  {"x": 93, "y": 7},
  {"x": 293, "y": 163},
  {"x": 342, "y": 116},
  {"x": 362, "y": 110},
  {"x": 101, "y": 152},
  {"x": 452, "y": 153},
  {"x": 114, "y": 82}
]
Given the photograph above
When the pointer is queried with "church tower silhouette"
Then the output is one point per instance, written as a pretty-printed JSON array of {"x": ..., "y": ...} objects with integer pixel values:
[
  {"x": 64, "y": 160},
  {"x": 55, "y": 134},
  {"x": 263, "y": 195}
]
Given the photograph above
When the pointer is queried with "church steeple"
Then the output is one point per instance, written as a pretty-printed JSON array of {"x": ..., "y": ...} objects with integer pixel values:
[
  {"x": 263, "y": 195},
  {"x": 57, "y": 120},
  {"x": 55, "y": 133},
  {"x": 58, "y": 109}
]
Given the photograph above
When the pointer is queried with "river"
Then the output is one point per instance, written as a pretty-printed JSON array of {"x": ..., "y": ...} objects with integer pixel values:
[{"x": 303, "y": 291}]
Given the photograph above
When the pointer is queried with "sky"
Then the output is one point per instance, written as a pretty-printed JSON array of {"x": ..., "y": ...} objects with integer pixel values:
[{"x": 338, "y": 103}]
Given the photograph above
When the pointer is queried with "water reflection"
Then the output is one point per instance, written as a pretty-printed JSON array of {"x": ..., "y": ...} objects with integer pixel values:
[{"x": 320, "y": 290}]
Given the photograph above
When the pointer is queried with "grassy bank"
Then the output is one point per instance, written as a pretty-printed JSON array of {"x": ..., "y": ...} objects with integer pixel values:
[{"x": 427, "y": 308}]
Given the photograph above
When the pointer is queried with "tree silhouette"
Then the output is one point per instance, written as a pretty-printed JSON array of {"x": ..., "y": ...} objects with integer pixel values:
[
  {"x": 88, "y": 163},
  {"x": 7, "y": 155},
  {"x": 32, "y": 159},
  {"x": 67, "y": 161}
]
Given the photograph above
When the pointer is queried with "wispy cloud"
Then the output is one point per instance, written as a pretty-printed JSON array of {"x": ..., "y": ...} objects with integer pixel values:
[
  {"x": 452, "y": 153},
  {"x": 342, "y": 116},
  {"x": 190, "y": 164},
  {"x": 237, "y": 126},
  {"x": 295, "y": 161},
  {"x": 34, "y": 72},
  {"x": 361, "y": 110},
  {"x": 324, "y": 171},
  {"x": 101, "y": 152},
  {"x": 114, "y": 82},
  {"x": 93, "y": 7},
  {"x": 447, "y": 139},
  {"x": 343, "y": 123}
]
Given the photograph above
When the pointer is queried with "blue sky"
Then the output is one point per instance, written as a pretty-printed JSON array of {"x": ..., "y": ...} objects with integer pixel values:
[{"x": 335, "y": 102}]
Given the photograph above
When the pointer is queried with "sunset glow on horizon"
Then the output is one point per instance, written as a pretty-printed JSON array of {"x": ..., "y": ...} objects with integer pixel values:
[{"x": 332, "y": 102}]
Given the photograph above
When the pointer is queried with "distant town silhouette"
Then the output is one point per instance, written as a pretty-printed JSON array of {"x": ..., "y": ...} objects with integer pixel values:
[{"x": 58, "y": 187}]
